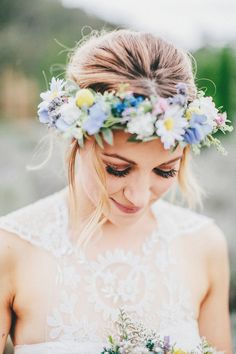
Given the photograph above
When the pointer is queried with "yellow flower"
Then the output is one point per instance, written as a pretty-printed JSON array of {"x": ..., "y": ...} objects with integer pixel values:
[
  {"x": 84, "y": 97},
  {"x": 190, "y": 111},
  {"x": 169, "y": 123},
  {"x": 179, "y": 351}
]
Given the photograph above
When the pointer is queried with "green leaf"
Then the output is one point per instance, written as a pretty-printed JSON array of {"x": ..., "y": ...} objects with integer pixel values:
[
  {"x": 81, "y": 142},
  {"x": 107, "y": 135},
  {"x": 174, "y": 147},
  {"x": 150, "y": 138},
  {"x": 110, "y": 339},
  {"x": 71, "y": 87},
  {"x": 99, "y": 140},
  {"x": 133, "y": 138}
]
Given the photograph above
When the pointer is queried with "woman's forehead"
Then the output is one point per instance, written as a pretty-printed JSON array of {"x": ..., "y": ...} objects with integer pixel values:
[{"x": 151, "y": 152}]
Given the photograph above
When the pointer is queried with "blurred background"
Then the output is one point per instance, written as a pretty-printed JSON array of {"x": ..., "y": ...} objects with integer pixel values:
[{"x": 35, "y": 39}]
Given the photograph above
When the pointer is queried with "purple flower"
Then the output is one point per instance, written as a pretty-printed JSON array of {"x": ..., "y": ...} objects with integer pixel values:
[
  {"x": 95, "y": 119},
  {"x": 181, "y": 88},
  {"x": 166, "y": 344},
  {"x": 177, "y": 99},
  {"x": 198, "y": 130},
  {"x": 48, "y": 111},
  {"x": 181, "y": 97}
]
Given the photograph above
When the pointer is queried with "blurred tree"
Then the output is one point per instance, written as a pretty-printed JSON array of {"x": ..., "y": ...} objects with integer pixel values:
[
  {"x": 31, "y": 30},
  {"x": 30, "y": 35},
  {"x": 28, "y": 32},
  {"x": 225, "y": 79},
  {"x": 216, "y": 73}
]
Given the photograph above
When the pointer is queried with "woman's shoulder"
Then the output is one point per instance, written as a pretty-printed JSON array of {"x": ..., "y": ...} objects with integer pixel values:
[
  {"x": 202, "y": 231},
  {"x": 40, "y": 222},
  {"x": 182, "y": 220}
]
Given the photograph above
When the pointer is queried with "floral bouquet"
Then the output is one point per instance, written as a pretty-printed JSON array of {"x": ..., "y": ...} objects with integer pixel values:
[{"x": 133, "y": 338}]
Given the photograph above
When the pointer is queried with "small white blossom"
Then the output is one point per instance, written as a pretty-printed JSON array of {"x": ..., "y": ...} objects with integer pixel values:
[
  {"x": 77, "y": 133},
  {"x": 207, "y": 107},
  {"x": 142, "y": 125},
  {"x": 69, "y": 111}
]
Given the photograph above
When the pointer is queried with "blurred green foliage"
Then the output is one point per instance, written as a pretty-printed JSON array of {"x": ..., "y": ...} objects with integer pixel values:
[
  {"x": 28, "y": 29},
  {"x": 216, "y": 71}
]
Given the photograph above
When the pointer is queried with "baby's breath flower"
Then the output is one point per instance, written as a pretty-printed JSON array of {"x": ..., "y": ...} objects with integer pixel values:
[{"x": 142, "y": 125}]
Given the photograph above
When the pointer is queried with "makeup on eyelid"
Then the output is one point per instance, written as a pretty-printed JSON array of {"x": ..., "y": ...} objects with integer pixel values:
[
  {"x": 123, "y": 168},
  {"x": 164, "y": 167},
  {"x": 122, "y": 173}
]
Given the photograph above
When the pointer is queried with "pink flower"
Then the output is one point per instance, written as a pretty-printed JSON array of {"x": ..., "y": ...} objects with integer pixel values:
[
  {"x": 160, "y": 107},
  {"x": 221, "y": 119}
]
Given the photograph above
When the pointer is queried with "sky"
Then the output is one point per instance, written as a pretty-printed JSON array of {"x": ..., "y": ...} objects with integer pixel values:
[{"x": 189, "y": 23}]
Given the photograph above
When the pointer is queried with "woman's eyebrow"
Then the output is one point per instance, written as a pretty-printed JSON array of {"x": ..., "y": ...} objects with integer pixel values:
[
  {"x": 176, "y": 159},
  {"x": 134, "y": 163}
]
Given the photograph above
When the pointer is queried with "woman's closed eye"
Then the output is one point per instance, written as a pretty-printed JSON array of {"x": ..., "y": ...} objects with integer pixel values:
[{"x": 124, "y": 172}]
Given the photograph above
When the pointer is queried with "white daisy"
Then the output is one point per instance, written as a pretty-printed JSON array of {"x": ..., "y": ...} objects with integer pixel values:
[
  {"x": 56, "y": 90},
  {"x": 142, "y": 125},
  {"x": 171, "y": 127}
]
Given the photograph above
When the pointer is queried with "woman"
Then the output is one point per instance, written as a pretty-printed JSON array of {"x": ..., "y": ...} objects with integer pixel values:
[{"x": 71, "y": 260}]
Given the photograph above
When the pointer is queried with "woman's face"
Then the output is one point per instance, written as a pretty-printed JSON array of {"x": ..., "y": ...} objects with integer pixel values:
[{"x": 137, "y": 175}]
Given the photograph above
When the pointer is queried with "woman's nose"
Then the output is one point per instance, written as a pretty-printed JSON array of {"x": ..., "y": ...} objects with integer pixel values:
[{"x": 137, "y": 191}]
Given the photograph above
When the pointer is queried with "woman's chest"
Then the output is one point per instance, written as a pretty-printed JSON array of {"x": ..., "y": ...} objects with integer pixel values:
[{"x": 75, "y": 298}]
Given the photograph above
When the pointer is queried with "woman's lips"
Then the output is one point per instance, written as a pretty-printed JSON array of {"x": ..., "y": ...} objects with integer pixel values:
[{"x": 126, "y": 209}]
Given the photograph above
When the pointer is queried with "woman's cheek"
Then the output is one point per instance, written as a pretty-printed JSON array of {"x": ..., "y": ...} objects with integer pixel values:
[
  {"x": 114, "y": 184},
  {"x": 163, "y": 185}
]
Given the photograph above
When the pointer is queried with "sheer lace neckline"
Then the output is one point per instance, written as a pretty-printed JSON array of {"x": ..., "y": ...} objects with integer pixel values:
[{"x": 146, "y": 246}]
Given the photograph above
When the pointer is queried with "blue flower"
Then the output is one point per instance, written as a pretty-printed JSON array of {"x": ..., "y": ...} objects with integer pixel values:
[
  {"x": 129, "y": 101},
  {"x": 95, "y": 119},
  {"x": 134, "y": 101},
  {"x": 118, "y": 108},
  {"x": 61, "y": 125},
  {"x": 198, "y": 129},
  {"x": 43, "y": 116}
]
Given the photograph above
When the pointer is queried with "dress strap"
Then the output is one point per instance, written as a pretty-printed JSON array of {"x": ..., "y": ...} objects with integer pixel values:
[
  {"x": 175, "y": 221},
  {"x": 41, "y": 223}
]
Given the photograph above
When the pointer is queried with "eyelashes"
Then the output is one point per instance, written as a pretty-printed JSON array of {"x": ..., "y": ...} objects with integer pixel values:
[
  {"x": 123, "y": 173},
  {"x": 166, "y": 174},
  {"x": 117, "y": 173}
]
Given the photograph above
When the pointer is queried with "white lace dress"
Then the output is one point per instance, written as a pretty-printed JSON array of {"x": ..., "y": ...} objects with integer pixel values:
[{"x": 83, "y": 294}]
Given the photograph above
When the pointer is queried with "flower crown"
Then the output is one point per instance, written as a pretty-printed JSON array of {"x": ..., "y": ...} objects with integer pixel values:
[{"x": 80, "y": 113}]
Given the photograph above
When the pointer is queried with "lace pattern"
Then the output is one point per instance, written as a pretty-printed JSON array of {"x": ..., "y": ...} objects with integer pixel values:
[{"x": 88, "y": 293}]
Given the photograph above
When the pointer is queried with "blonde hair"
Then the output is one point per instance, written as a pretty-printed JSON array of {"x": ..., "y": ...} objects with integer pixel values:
[{"x": 150, "y": 65}]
